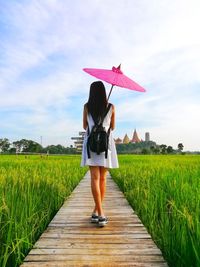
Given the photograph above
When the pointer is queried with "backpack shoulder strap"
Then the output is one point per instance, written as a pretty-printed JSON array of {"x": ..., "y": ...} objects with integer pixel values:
[
  {"x": 107, "y": 109},
  {"x": 104, "y": 115},
  {"x": 106, "y": 112}
]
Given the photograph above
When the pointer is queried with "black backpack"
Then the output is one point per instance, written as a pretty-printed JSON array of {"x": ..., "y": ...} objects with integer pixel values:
[{"x": 98, "y": 138}]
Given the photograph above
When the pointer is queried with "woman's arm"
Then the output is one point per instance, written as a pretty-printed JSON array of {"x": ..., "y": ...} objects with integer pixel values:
[
  {"x": 112, "y": 123},
  {"x": 85, "y": 123}
]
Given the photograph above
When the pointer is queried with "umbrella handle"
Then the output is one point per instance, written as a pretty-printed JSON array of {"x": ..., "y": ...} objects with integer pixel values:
[{"x": 110, "y": 91}]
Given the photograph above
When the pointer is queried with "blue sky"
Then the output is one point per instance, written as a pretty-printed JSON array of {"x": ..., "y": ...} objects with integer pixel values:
[{"x": 45, "y": 44}]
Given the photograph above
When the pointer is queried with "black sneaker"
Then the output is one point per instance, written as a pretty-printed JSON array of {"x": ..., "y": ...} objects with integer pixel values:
[
  {"x": 94, "y": 218},
  {"x": 103, "y": 220}
]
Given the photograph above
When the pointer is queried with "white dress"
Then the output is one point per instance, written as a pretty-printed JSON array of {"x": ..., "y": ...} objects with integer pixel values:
[{"x": 100, "y": 160}]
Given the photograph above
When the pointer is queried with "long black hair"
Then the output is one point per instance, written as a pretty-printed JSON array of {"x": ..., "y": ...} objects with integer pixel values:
[{"x": 97, "y": 101}]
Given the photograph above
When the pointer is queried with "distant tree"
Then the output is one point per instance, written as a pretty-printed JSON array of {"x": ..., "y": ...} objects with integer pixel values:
[
  {"x": 145, "y": 151},
  {"x": 163, "y": 148},
  {"x": 21, "y": 145},
  {"x": 4, "y": 144},
  {"x": 12, "y": 150},
  {"x": 70, "y": 150},
  {"x": 58, "y": 149},
  {"x": 17, "y": 145},
  {"x": 25, "y": 145},
  {"x": 134, "y": 148},
  {"x": 32, "y": 146},
  {"x": 157, "y": 150},
  {"x": 170, "y": 149},
  {"x": 152, "y": 149},
  {"x": 180, "y": 147}
]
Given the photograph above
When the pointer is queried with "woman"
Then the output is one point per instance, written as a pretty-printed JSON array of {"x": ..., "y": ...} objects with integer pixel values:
[{"x": 98, "y": 164}]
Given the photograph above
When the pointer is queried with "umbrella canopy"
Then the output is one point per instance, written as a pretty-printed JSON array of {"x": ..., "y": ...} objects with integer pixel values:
[{"x": 115, "y": 77}]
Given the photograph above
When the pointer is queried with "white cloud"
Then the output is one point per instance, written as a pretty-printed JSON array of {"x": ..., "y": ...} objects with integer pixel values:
[{"x": 157, "y": 43}]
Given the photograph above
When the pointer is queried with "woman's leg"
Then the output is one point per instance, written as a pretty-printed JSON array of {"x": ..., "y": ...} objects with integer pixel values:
[
  {"x": 103, "y": 173},
  {"x": 102, "y": 184},
  {"x": 95, "y": 178}
]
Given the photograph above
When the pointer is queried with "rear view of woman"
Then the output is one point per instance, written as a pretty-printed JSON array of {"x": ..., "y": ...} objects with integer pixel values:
[{"x": 96, "y": 107}]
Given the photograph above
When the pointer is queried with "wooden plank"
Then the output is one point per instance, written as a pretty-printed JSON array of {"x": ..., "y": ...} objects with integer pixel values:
[
  {"x": 47, "y": 243},
  {"x": 85, "y": 217},
  {"x": 135, "y": 239},
  {"x": 115, "y": 222},
  {"x": 84, "y": 212},
  {"x": 76, "y": 225},
  {"x": 75, "y": 205},
  {"x": 95, "y": 251},
  {"x": 98, "y": 235},
  {"x": 94, "y": 230},
  {"x": 86, "y": 257},
  {"x": 72, "y": 240},
  {"x": 83, "y": 239},
  {"x": 76, "y": 263}
]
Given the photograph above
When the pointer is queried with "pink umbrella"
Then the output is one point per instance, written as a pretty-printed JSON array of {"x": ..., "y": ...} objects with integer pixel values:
[{"x": 115, "y": 77}]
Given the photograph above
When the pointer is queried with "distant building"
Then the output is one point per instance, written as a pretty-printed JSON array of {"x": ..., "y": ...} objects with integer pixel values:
[
  {"x": 147, "y": 137},
  {"x": 135, "y": 138},
  {"x": 118, "y": 141},
  {"x": 78, "y": 143},
  {"x": 126, "y": 139}
]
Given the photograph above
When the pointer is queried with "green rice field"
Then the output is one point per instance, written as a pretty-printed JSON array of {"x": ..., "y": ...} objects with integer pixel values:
[
  {"x": 32, "y": 189},
  {"x": 163, "y": 190},
  {"x": 165, "y": 193}
]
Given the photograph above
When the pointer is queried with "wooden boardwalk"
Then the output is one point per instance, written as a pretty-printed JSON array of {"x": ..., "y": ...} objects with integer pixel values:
[{"x": 71, "y": 240}]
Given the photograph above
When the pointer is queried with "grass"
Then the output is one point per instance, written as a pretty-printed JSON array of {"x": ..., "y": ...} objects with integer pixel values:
[
  {"x": 32, "y": 189},
  {"x": 165, "y": 193},
  {"x": 163, "y": 190}
]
